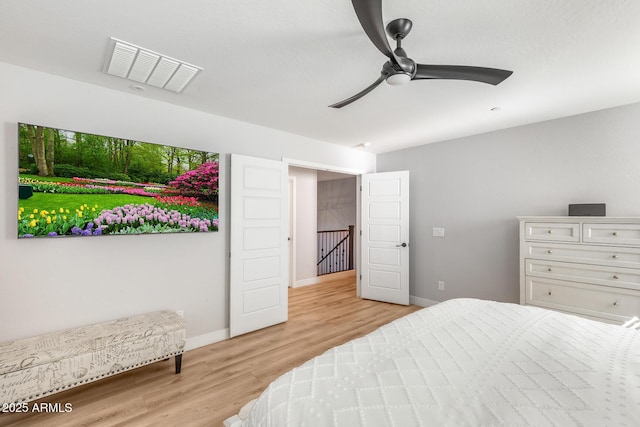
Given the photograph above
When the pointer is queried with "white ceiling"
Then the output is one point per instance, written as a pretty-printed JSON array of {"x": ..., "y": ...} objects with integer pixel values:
[{"x": 280, "y": 63}]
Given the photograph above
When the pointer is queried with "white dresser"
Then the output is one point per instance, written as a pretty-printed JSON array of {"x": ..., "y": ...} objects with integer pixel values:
[{"x": 589, "y": 266}]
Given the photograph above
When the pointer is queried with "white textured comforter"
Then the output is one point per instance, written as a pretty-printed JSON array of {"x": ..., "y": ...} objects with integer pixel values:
[{"x": 466, "y": 362}]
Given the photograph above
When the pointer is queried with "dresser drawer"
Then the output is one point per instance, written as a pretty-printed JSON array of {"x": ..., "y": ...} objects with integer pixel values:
[
  {"x": 552, "y": 232},
  {"x": 597, "y": 274},
  {"x": 589, "y": 300},
  {"x": 616, "y": 234},
  {"x": 615, "y": 256}
]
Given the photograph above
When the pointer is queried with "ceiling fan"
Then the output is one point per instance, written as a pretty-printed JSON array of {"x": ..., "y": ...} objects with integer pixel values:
[{"x": 400, "y": 69}]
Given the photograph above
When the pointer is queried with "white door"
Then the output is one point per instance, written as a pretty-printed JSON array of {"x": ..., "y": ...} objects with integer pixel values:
[
  {"x": 385, "y": 237},
  {"x": 259, "y": 249}
]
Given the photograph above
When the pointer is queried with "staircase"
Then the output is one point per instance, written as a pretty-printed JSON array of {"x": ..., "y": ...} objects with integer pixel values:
[{"x": 335, "y": 250}]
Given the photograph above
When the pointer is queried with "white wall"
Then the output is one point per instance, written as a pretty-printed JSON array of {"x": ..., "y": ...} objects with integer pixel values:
[
  {"x": 475, "y": 187},
  {"x": 336, "y": 204},
  {"x": 49, "y": 284},
  {"x": 306, "y": 222}
]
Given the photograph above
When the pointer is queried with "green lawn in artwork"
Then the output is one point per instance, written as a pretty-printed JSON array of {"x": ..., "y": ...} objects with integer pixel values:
[{"x": 53, "y": 202}]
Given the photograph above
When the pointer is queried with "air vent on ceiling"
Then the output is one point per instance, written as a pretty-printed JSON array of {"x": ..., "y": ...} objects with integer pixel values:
[{"x": 145, "y": 66}]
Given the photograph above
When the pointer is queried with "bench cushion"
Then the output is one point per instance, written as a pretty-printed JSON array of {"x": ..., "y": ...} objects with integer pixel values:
[{"x": 35, "y": 367}]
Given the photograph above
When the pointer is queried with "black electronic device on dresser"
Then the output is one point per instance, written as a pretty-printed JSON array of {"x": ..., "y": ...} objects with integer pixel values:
[{"x": 588, "y": 209}]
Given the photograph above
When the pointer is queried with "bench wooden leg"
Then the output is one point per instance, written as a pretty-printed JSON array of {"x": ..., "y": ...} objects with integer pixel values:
[{"x": 178, "y": 363}]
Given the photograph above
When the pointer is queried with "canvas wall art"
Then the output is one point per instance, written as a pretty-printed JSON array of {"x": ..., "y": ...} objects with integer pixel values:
[{"x": 80, "y": 184}]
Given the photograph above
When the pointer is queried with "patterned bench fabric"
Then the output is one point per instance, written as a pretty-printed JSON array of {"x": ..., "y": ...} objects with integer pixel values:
[{"x": 35, "y": 367}]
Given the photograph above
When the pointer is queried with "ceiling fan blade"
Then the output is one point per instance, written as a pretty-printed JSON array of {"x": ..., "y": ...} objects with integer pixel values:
[
  {"x": 459, "y": 72},
  {"x": 369, "y": 14},
  {"x": 360, "y": 94}
]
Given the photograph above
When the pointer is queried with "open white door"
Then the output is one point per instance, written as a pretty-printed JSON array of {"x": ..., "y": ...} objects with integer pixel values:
[
  {"x": 259, "y": 249},
  {"x": 385, "y": 237}
]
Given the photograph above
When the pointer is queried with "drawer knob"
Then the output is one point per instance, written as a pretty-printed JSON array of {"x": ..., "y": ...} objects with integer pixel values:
[
  {"x": 615, "y": 276},
  {"x": 549, "y": 293},
  {"x": 550, "y": 231},
  {"x": 549, "y": 251},
  {"x": 615, "y": 233},
  {"x": 615, "y": 257},
  {"x": 616, "y": 303},
  {"x": 549, "y": 269}
]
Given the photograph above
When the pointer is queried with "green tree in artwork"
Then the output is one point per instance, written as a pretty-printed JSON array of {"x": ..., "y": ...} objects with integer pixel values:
[{"x": 36, "y": 135}]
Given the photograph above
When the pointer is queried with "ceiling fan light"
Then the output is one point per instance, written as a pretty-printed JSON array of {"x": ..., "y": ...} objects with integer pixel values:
[{"x": 398, "y": 79}]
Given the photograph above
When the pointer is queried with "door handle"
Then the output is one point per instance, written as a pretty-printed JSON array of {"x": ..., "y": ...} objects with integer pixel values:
[{"x": 403, "y": 245}]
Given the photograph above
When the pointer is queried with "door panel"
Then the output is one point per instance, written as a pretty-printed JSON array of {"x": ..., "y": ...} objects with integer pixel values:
[
  {"x": 384, "y": 256},
  {"x": 384, "y": 233},
  {"x": 385, "y": 237},
  {"x": 261, "y": 238},
  {"x": 385, "y": 210},
  {"x": 259, "y": 249},
  {"x": 385, "y": 280}
]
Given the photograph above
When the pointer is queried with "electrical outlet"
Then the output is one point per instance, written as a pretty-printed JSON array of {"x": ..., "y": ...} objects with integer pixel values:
[
  {"x": 438, "y": 232},
  {"x": 180, "y": 313},
  {"x": 440, "y": 285}
]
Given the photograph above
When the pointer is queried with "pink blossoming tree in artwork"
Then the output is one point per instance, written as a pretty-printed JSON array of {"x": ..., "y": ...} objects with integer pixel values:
[{"x": 201, "y": 182}]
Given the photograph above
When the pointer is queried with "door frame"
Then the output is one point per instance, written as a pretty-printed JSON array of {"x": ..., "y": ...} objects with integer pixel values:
[
  {"x": 292, "y": 230},
  {"x": 347, "y": 171}
]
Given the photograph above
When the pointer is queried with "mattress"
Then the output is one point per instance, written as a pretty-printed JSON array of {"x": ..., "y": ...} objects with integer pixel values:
[{"x": 466, "y": 362}]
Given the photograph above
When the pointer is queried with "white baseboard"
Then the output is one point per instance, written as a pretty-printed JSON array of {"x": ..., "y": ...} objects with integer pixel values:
[
  {"x": 206, "y": 339},
  {"x": 306, "y": 282},
  {"x": 422, "y": 302}
]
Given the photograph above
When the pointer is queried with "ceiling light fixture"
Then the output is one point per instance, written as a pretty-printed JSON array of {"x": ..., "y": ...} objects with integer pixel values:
[
  {"x": 398, "y": 79},
  {"x": 496, "y": 109},
  {"x": 366, "y": 144},
  {"x": 142, "y": 65}
]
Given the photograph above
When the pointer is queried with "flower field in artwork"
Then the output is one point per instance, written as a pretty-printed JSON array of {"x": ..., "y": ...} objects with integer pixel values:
[{"x": 73, "y": 184}]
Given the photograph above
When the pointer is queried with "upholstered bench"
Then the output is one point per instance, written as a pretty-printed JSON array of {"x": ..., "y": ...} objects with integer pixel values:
[{"x": 36, "y": 367}]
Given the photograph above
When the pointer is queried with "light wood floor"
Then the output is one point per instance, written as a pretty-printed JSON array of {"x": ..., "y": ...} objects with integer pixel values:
[{"x": 218, "y": 379}]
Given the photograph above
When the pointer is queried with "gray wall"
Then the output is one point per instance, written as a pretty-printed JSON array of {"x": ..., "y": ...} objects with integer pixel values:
[
  {"x": 474, "y": 187},
  {"x": 336, "y": 204}
]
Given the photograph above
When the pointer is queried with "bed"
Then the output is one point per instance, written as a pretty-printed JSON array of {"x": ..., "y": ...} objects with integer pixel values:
[{"x": 465, "y": 362}]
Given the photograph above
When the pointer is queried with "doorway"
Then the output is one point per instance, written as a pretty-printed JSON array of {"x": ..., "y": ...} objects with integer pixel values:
[
  {"x": 319, "y": 201},
  {"x": 259, "y": 231}
]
